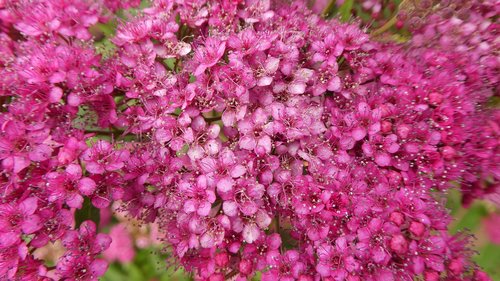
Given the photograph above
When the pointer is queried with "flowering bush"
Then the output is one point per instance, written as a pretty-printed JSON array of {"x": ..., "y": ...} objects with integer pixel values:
[{"x": 258, "y": 136}]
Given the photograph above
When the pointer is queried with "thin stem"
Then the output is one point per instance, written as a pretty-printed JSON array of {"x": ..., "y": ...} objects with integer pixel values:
[
  {"x": 212, "y": 119},
  {"x": 114, "y": 133},
  {"x": 329, "y": 8},
  {"x": 391, "y": 22}
]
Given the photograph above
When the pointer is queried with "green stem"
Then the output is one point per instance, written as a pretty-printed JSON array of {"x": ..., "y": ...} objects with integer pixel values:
[
  {"x": 328, "y": 9},
  {"x": 113, "y": 133},
  {"x": 389, "y": 23}
]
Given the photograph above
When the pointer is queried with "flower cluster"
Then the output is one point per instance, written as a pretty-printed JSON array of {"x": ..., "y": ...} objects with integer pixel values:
[{"x": 257, "y": 135}]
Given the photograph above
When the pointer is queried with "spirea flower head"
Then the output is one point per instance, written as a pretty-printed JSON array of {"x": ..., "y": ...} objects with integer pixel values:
[{"x": 257, "y": 135}]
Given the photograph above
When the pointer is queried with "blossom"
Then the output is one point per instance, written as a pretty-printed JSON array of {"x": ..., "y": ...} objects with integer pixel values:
[
  {"x": 208, "y": 54},
  {"x": 18, "y": 218},
  {"x": 101, "y": 157},
  {"x": 121, "y": 247},
  {"x": 256, "y": 135}
]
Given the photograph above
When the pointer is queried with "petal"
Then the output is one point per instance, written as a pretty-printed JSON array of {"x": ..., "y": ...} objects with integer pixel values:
[
  {"x": 230, "y": 208},
  {"x": 297, "y": 88},
  {"x": 225, "y": 185},
  {"x": 251, "y": 232},
  {"x": 86, "y": 186},
  {"x": 98, "y": 267},
  {"x": 359, "y": 133},
  {"x": 31, "y": 224},
  {"x": 204, "y": 208},
  {"x": 8, "y": 239},
  {"x": 247, "y": 142},
  {"x": 74, "y": 171},
  {"x": 28, "y": 206},
  {"x": 237, "y": 171},
  {"x": 383, "y": 159},
  {"x": 75, "y": 201},
  {"x": 94, "y": 168},
  {"x": 190, "y": 206},
  {"x": 263, "y": 219},
  {"x": 334, "y": 84},
  {"x": 55, "y": 95}
]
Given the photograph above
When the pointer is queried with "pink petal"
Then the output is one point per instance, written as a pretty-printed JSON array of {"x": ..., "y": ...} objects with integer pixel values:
[
  {"x": 190, "y": 206},
  {"x": 98, "y": 267},
  {"x": 31, "y": 224},
  {"x": 75, "y": 171},
  {"x": 297, "y": 88},
  {"x": 359, "y": 133},
  {"x": 204, "y": 208},
  {"x": 55, "y": 94},
  {"x": 225, "y": 185},
  {"x": 28, "y": 206},
  {"x": 75, "y": 201},
  {"x": 230, "y": 208},
  {"x": 247, "y": 143},
  {"x": 383, "y": 159},
  {"x": 334, "y": 84},
  {"x": 251, "y": 232},
  {"x": 86, "y": 186},
  {"x": 8, "y": 239}
]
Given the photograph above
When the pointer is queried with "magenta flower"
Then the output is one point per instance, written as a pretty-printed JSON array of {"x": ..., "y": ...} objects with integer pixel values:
[
  {"x": 20, "y": 145},
  {"x": 200, "y": 197},
  {"x": 121, "y": 247},
  {"x": 85, "y": 240},
  {"x": 257, "y": 135},
  {"x": 69, "y": 187},
  {"x": 17, "y": 218},
  {"x": 490, "y": 224},
  {"x": 81, "y": 267},
  {"x": 208, "y": 54},
  {"x": 101, "y": 157}
]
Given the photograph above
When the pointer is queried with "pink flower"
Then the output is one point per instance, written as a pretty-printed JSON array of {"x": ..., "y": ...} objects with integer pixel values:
[
  {"x": 491, "y": 228},
  {"x": 85, "y": 241},
  {"x": 256, "y": 136},
  {"x": 20, "y": 145},
  {"x": 121, "y": 247},
  {"x": 208, "y": 54},
  {"x": 101, "y": 157},
  {"x": 200, "y": 197},
  {"x": 69, "y": 187},
  {"x": 17, "y": 218}
]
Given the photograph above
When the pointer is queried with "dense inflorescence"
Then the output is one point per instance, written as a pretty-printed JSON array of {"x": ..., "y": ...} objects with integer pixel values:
[{"x": 257, "y": 135}]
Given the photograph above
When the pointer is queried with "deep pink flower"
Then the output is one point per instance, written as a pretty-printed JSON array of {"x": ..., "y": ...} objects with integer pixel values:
[
  {"x": 17, "y": 218},
  {"x": 200, "y": 197},
  {"x": 121, "y": 247},
  {"x": 70, "y": 186},
  {"x": 491, "y": 227},
  {"x": 85, "y": 241},
  {"x": 101, "y": 158},
  {"x": 208, "y": 54},
  {"x": 20, "y": 145},
  {"x": 81, "y": 267},
  {"x": 257, "y": 136}
]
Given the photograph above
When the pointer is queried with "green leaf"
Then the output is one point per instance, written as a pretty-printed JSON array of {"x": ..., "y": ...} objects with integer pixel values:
[
  {"x": 170, "y": 63},
  {"x": 87, "y": 212},
  {"x": 257, "y": 276},
  {"x": 454, "y": 202},
  {"x": 114, "y": 273},
  {"x": 105, "y": 48},
  {"x": 133, "y": 272},
  {"x": 472, "y": 218},
  {"x": 345, "y": 10},
  {"x": 488, "y": 258},
  {"x": 108, "y": 28}
]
